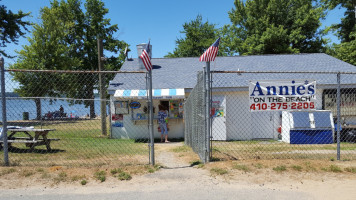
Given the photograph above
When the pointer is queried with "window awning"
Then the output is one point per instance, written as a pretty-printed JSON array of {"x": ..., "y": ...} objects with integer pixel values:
[{"x": 157, "y": 94}]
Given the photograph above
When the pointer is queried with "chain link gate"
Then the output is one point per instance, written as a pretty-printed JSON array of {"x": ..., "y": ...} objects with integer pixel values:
[
  {"x": 67, "y": 104},
  {"x": 195, "y": 119}
]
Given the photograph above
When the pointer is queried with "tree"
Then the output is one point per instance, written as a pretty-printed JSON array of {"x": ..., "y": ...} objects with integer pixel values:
[
  {"x": 68, "y": 40},
  {"x": 47, "y": 50},
  {"x": 346, "y": 51},
  {"x": 11, "y": 26},
  {"x": 274, "y": 27},
  {"x": 198, "y": 37},
  {"x": 95, "y": 26},
  {"x": 346, "y": 31},
  {"x": 348, "y": 23}
]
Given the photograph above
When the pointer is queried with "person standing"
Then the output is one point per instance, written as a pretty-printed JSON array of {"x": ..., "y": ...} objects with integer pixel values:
[
  {"x": 61, "y": 111},
  {"x": 162, "y": 116}
]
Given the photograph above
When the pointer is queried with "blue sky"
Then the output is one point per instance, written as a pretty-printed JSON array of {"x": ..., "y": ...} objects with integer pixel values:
[{"x": 158, "y": 20}]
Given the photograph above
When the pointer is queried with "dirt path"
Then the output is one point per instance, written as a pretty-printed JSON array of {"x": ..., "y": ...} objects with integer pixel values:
[{"x": 178, "y": 180}]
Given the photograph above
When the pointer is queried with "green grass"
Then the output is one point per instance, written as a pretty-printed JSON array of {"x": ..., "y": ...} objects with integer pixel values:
[
  {"x": 80, "y": 144},
  {"x": 100, "y": 175},
  {"x": 241, "y": 167},
  {"x": 258, "y": 165},
  {"x": 83, "y": 182},
  {"x": 277, "y": 150},
  {"x": 121, "y": 175},
  {"x": 115, "y": 171},
  {"x": 181, "y": 149},
  {"x": 152, "y": 169},
  {"x": 124, "y": 176},
  {"x": 77, "y": 178},
  {"x": 332, "y": 168},
  {"x": 61, "y": 177},
  {"x": 218, "y": 171},
  {"x": 335, "y": 168},
  {"x": 351, "y": 169},
  {"x": 309, "y": 167},
  {"x": 297, "y": 168},
  {"x": 7, "y": 171},
  {"x": 27, "y": 173},
  {"x": 280, "y": 168},
  {"x": 196, "y": 162}
]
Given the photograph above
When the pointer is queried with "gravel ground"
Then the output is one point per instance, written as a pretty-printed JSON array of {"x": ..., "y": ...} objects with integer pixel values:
[{"x": 178, "y": 180}]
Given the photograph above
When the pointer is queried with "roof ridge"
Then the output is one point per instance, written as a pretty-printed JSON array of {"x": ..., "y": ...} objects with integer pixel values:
[{"x": 295, "y": 54}]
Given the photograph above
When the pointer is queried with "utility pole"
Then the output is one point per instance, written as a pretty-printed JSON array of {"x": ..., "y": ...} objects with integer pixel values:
[{"x": 101, "y": 87}]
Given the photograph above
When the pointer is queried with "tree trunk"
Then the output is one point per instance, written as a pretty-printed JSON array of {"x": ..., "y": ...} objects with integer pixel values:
[
  {"x": 38, "y": 109},
  {"x": 92, "y": 105}
]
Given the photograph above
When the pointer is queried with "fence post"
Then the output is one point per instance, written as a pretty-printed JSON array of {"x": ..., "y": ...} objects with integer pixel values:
[
  {"x": 338, "y": 97},
  {"x": 4, "y": 121},
  {"x": 151, "y": 119},
  {"x": 208, "y": 102}
]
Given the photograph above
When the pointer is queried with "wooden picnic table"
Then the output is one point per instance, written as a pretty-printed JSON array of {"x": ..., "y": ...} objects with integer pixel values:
[{"x": 30, "y": 140}]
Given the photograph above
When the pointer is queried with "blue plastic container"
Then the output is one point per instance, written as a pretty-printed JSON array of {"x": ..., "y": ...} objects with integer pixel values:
[{"x": 311, "y": 136}]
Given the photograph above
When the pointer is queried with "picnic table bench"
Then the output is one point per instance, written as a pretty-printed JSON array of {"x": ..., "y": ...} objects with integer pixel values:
[{"x": 30, "y": 141}]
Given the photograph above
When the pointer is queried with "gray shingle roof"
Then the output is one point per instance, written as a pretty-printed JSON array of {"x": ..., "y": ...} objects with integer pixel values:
[{"x": 182, "y": 72}]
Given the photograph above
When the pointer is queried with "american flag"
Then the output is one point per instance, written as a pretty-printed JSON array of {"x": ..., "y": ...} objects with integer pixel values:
[
  {"x": 210, "y": 54},
  {"x": 145, "y": 57}
]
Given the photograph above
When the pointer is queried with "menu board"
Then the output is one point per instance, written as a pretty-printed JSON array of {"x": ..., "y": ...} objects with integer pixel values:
[{"x": 121, "y": 107}]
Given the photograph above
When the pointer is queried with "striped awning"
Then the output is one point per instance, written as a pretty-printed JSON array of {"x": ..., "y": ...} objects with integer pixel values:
[{"x": 157, "y": 94}]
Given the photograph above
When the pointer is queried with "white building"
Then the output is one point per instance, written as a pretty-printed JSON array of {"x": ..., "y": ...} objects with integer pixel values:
[{"x": 174, "y": 78}]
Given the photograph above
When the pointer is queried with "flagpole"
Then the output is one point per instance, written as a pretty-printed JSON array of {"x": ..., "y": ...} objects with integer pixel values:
[
  {"x": 151, "y": 119},
  {"x": 207, "y": 56}
]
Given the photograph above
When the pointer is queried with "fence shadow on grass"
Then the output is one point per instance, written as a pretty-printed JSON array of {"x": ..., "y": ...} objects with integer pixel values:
[{"x": 34, "y": 151}]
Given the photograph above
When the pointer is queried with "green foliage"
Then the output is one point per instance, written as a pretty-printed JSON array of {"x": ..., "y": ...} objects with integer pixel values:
[
  {"x": 121, "y": 175},
  {"x": 100, "y": 175},
  {"x": 346, "y": 51},
  {"x": 7, "y": 171},
  {"x": 346, "y": 31},
  {"x": 66, "y": 39},
  {"x": 274, "y": 27},
  {"x": 218, "y": 171},
  {"x": 152, "y": 169},
  {"x": 11, "y": 25},
  {"x": 197, "y": 163},
  {"x": 83, "y": 182},
  {"x": 297, "y": 167},
  {"x": 280, "y": 168},
  {"x": 332, "y": 168},
  {"x": 115, "y": 171},
  {"x": 351, "y": 169},
  {"x": 62, "y": 176},
  {"x": 124, "y": 176},
  {"x": 348, "y": 23},
  {"x": 199, "y": 36}
]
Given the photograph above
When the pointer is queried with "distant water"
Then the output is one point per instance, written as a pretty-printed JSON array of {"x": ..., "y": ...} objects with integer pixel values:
[{"x": 16, "y": 107}]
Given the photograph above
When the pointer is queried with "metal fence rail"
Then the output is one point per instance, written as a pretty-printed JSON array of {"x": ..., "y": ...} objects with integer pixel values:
[
  {"x": 294, "y": 132},
  {"x": 68, "y": 105}
]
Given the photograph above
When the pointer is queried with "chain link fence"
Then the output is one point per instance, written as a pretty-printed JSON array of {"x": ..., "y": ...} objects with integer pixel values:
[
  {"x": 194, "y": 117},
  {"x": 283, "y": 127},
  {"x": 56, "y": 118}
]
